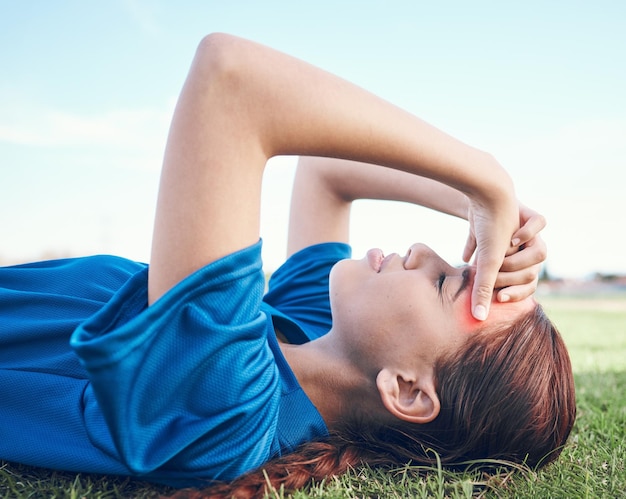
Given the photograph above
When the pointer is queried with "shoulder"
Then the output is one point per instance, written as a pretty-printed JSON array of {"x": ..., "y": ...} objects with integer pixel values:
[{"x": 318, "y": 258}]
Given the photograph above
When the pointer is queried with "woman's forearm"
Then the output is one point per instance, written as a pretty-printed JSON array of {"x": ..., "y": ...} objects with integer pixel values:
[
  {"x": 299, "y": 109},
  {"x": 352, "y": 180},
  {"x": 324, "y": 189}
]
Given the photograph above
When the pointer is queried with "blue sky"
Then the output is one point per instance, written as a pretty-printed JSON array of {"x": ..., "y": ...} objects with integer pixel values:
[{"x": 87, "y": 90}]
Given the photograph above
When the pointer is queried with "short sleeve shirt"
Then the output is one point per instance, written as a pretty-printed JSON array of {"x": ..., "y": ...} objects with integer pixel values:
[{"x": 194, "y": 387}]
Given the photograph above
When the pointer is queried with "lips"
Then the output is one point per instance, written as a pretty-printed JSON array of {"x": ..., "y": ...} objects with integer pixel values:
[
  {"x": 375, "y": 258},
  {"x": 386, "y": 260}
]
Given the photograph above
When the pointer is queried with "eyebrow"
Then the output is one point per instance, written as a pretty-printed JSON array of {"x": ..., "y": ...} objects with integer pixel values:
[{"x": 466, "y": 279}]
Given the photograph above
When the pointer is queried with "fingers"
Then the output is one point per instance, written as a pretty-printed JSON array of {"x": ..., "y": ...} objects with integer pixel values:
[
  {"x": 519, "y": 274},
  {"x": 511, "y": 264},
  {"x": 532, "y": 253},
  {"x": 523, "y": 277},
  {"x": 482, "y": 291},
  {"x": 531, "y": 224},
  {"x": 516, "y": 293},
  {"x": 470, "y": 247}
]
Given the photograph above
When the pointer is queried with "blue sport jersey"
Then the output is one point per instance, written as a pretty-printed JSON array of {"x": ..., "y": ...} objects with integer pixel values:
[{"x": 191, "y": 389}]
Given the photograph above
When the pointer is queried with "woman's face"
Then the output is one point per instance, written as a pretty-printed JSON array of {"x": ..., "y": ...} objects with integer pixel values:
[{"x": 406, "y": 307}]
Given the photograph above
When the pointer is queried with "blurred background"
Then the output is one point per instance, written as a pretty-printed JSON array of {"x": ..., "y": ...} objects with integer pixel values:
[{"x": 87, "y": 90}]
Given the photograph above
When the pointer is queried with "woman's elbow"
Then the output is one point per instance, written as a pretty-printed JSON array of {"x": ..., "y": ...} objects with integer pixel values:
[{"x": 220, "y": 55}]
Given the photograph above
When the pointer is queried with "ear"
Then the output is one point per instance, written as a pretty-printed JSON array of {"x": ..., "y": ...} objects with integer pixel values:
[{"x": 407, "y": 397}]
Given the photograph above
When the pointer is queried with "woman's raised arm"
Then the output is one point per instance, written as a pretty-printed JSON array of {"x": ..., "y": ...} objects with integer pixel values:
[
  {"x": 243, "y": 103},
  {"x": 324, "y": 189}
]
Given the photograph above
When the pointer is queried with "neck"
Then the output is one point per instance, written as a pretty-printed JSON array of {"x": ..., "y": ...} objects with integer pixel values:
[{"x": 332, "y": 382}]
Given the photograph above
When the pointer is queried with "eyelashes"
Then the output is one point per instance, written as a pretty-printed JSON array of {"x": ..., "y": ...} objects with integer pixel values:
[
  {"x": 465, "y": 276},
  {"x": 440, "y": 281}
]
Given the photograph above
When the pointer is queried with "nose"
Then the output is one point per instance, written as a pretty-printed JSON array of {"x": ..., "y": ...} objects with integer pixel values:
[{"x": 418, "y": 255}]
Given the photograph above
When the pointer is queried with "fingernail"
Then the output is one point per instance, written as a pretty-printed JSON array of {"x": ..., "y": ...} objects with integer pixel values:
[
  {"x": 515, "y": 242},
  {"x": 480, "y": 312},
  {"x": 504, "y": 298}
]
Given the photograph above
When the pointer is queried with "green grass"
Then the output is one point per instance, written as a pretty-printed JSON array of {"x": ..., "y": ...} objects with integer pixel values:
[{"x": 591, "y": 466}]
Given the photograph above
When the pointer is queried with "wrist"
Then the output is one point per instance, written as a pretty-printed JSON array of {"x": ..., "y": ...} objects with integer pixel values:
[{"x": 490, "y": 184}]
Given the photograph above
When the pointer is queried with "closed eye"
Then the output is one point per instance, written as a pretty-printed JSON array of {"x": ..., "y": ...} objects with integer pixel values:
[
  {"x": 440, "y": 281},
  {"x": 465, "y": 276},
  {"x": 466, "y": 280}
]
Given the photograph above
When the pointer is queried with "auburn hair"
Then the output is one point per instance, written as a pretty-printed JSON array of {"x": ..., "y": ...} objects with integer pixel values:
[{"x": 506, "y": 395}]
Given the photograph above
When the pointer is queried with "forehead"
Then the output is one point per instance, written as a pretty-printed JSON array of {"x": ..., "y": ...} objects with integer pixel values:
[{"x": 510, "y": 310}]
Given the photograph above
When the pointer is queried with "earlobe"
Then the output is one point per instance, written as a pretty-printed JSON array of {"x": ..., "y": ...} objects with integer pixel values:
[{"x": 408, "y": 398}]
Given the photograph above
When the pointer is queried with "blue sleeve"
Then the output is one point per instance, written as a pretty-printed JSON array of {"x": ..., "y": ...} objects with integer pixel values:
[
  {"x": 299, "y": 288},
  {"x": 189, "y": 385}
]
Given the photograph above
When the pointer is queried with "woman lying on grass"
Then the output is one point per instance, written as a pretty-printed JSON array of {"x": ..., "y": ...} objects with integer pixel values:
[{"x": 183, "y": 372}]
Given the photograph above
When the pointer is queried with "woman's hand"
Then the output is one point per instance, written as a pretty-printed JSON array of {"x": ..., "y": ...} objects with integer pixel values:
[
  {"x": 519, "y": 272},
  {"x": 491, "y": 227}
]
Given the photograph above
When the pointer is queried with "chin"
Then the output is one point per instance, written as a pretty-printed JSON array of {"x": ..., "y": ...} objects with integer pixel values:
[
  {"x": 338, "y": 270},
  {"x": 345, "y": 273}
]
